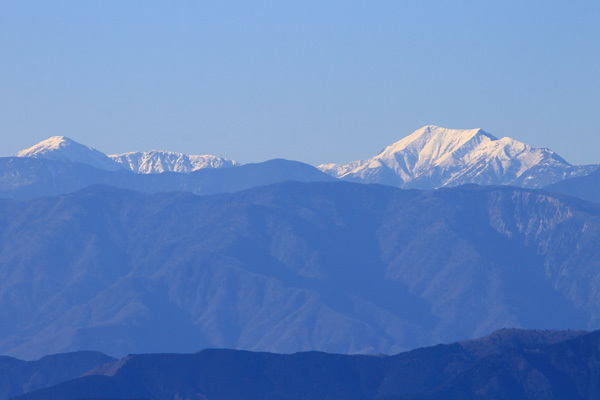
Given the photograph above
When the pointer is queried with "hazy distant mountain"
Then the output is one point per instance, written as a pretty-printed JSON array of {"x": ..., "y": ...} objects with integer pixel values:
[
  {"x": 60, "y": 148},
  {"x": 431, "y": 157},
  {"x": 25, "y": 178},
  {"x": 338, "y": 267},
  {"x": 18, "y": 377},
  {"x": 151, "y": 162},
  {"x": 434, "y": 157},
  {"x": 585, "y": 187},
  {"x": 438, "y": 372}
]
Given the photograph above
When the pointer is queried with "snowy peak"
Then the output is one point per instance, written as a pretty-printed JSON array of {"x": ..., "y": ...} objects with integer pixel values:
[
  {"x": 45, "y": 146},
  {"x": 433, "y": 157},
  {"x": 150, "y": 162},
  {"x": 55, "y": 146},
  {"x": 61, "y": 148},
  {"x": 436, "y": 140},
  {"x": 432, "y": 145}
]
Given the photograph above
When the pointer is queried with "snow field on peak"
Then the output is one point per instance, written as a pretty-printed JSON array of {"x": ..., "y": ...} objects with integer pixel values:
[
  {"x": 150, "y": 162},
  {"x": 433, "y": 157},
  {"x": 63, "y": 149}
]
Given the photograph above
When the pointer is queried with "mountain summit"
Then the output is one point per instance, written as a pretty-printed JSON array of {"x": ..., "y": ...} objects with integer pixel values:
[
  {"x": 433, "y": 157},
  {"x": 429, "y": 158},
  {"x": 61, "y": 148}
]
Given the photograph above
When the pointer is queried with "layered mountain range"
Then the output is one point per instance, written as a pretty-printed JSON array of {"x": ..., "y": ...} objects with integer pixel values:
[
  {"x": 26, "y": 178},
  {"x": 155, "y": 252},
  {"x": 431, "y": 157},
  {"x": 332, "y": 266},
  {"x": 18, "y": 376},
  {"x": 508, "y": 364}
]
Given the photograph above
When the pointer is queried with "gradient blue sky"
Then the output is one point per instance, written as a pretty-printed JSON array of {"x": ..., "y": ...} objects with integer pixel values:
[{"x": 315, "y": 81}]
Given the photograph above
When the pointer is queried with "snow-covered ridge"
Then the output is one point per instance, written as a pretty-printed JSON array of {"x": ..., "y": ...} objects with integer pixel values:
[
  {"x": 429, "y": 158},
  {"x": 149, "y": 162},
  {"x": 434, "y": 157},
  {"x": 61, "y": 148}
]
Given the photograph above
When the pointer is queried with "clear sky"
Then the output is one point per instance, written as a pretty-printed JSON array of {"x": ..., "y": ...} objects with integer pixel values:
[{"x": 315, "y": 81}]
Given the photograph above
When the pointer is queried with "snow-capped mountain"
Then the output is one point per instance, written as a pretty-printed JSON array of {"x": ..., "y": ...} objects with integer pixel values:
[
  {"x": 431, "y": 157},
  {"x": 434, "y": 157},
  {"x": 150, "y": 162},
  {"x": 61, "y": 148}
]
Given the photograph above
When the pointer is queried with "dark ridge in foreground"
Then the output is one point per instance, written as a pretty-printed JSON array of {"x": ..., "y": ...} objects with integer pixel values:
[
  {"x": 18, "y": 376},
  {"x": 509, "y": 364}
]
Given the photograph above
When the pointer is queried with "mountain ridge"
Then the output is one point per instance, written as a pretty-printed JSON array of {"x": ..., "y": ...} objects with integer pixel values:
[
  {"x": 585, "y": 187},
  {"x": 421, "y": 373},
  {"x": 27, "y": 177},
  {"x": 64, "y": 149},
  {"x": 331, "y": 266},
  {"x": 154, "y": 161},
  {"x": 18, "y": 376},
  {"x": 433, "y": 157}
]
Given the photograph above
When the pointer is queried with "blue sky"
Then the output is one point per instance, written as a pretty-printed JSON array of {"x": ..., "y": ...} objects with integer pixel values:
[{"x": 315, "y": 81}]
